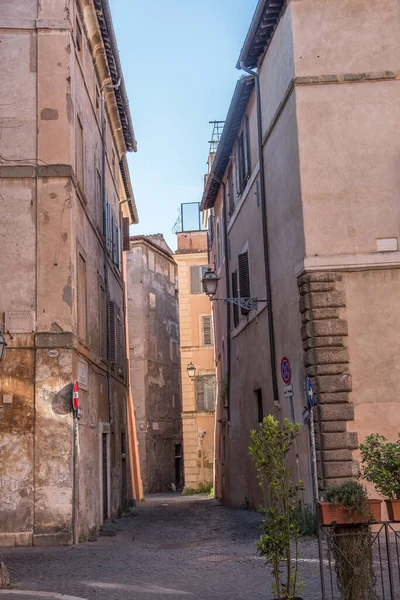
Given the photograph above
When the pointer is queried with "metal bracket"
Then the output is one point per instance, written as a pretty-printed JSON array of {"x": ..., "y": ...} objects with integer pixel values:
[{"x": 245, "y": 303}]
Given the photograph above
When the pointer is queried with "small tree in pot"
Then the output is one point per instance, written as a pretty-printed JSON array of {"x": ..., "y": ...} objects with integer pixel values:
[
  {"x": 269, "y": 447},
  {"x": 381, "y": 466}
]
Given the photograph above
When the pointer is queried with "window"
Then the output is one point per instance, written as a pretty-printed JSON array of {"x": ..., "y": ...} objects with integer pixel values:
[
  {"x": 113, "y": 236},
  {"x": 99, "y": 203},
  {"x": 173, "y": 350},
  {"x": 102, "y": 318},
  {"x": 125, "y": 234},
  {"x": 219, "y": 252},
  {"x": 116, "y": 336},
  {"x": 79, "y": 151},
  {"x": 259, "y": 405},
  {"x": 205, "y": 393},
  {"x": 78, "y": 35},
  {"x": 235, "y": 294},
  {"x": 113, "y": 162},
  {"x": 244, "y": 279},
  {"x": 82, "y": 298},
  {"x": 206, "y": 331},
  {"x": 196, "y": 275},
  {"x": 152, "y": 300},
  {"x": 151, "y": 260},
  {"x": 172, "y": 273},
  {"x": 231, "y": 195},
  {"x": 243, "y": 158}
]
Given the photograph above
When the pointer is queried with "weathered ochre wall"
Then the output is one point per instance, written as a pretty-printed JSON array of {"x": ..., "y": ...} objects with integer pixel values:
[
  {"x": 198, "y": 428},
  {"x": 155, "y": 363},
  {"x": 48, "y": 217}
]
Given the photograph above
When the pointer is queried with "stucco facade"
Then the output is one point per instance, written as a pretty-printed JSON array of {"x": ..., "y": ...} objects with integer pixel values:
[
  {"x": 154, "y": 358},
  {"x": 329, "y": 137},
  {"x": 199, "y": 395},
  {"x": 58, "y": 284}
]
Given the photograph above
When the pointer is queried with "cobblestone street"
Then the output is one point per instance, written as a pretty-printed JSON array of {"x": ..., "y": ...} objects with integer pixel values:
[{"x": 169, "y": 547}]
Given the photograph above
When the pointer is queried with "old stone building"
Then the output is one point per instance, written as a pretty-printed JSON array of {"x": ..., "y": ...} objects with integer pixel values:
[
  {"x": 306, "y": 220},
  {"x": 66, "y": 198},
  {"x": 154, "y": 357},
  {"x": 197, "y": 350}
]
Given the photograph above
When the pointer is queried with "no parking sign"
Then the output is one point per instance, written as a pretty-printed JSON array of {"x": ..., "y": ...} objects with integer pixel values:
[{"x": 286, "y": 370}]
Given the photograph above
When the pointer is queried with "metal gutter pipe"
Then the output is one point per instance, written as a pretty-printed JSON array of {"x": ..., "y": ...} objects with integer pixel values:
[
  {"x": 228, "y": 295},
  {"x": 272, "y": 346}
]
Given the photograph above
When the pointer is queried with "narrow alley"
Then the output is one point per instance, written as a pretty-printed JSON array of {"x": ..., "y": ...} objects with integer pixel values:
[{"x": 168, "y": 547}]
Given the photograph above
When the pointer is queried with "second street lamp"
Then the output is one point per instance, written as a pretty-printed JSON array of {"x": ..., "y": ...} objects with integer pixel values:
[{"x": 191, "y": 370}]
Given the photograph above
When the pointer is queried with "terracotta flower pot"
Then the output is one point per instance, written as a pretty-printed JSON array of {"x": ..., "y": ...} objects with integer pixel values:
[
  {"x": 393, "y": 508},
  {"x": 339, "y": 514}
]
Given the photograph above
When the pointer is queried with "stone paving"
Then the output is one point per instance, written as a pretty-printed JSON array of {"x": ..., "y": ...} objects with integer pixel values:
[{"x": 168, "y": 547}]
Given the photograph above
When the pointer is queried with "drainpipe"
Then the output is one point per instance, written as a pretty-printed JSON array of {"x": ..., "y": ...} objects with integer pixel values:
[
  {"x": 106, "y": 84},
  {"x": 272, "y": 349},
  {"x": 228, "y": 295}
]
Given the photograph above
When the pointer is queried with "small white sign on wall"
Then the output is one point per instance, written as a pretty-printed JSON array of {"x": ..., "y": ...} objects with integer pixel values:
[{"x": 83, "y": 374}]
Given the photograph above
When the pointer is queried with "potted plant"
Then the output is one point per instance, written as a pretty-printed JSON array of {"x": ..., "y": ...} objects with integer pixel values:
[
  {"x": 381, "y": 466},
  {"x": 348, "y": 503},
  {"x": 349, "y": 511},
  {"x": 269, "y": 447}
]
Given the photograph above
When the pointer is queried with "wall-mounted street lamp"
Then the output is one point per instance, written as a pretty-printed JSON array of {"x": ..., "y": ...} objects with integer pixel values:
[
  {"x": 210, "y": 284},
  {"x": 3, "y": 346},
  {"x": 191, "y": 371}
]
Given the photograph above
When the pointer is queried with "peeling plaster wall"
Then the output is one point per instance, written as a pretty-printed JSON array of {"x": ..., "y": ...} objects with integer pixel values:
[
  {"x": 48, "y": 217},
  {"x": 155, "y": 367}
]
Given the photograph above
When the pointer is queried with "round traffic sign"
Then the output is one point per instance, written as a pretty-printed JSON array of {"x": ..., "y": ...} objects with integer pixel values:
[
  {"x": 310, "y": 393},
  {"x": 75, "y": 396},
  {"x": 286, "y": 370}
]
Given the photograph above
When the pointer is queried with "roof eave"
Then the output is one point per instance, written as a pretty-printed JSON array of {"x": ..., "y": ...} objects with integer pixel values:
[
  {"x": 237, "y": 108},
  {"x": 120, "y": 93},
  {"x": 130, "y": 198}
]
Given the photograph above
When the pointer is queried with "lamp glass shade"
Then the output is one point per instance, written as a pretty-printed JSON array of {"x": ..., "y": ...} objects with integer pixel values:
[
  {"x": 2, "y": 346},
  {"x": 191, "y": 370},
  {"x": 210, "y": 282}
]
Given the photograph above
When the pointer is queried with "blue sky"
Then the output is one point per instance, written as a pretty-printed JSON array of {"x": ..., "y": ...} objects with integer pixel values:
[{"x": 178, "y": 59}]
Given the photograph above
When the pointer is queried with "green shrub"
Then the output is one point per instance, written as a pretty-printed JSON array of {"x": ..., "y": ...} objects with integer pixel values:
[
  {"x": 381, "y": 464},
  {"x": 351, "y": 495},
  {"x": 306, "y": 521}
]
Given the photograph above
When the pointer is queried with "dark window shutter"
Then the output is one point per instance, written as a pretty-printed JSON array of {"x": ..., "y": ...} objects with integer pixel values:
[
  {"x": 246, "y": 148},
  {"x": 235, "y": 294},
  {"x": 237, "y": 169},
  {"x": 244, "y": 278},
  {"x": 230, "y": 192},
  {"x": 206, "y": 331},
  {"x": 200, "y": 399},
  {"x": 125, "y": 233},
  {"x": 209, "y": 392},
  {"x": 112, "y": 334},
  {"x": 195, "y": 284}
]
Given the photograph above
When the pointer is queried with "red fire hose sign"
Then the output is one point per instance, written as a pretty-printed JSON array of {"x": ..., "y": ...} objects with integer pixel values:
[
  {"x": 286, "y": 370},
  {"x": 75, "y": 396}
]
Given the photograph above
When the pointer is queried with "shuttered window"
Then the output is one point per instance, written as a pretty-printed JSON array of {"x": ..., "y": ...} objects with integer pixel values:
[
  {"x": 235, "y": 294},
  {"x": 243, "y": 158},
  {"x": 116, "y": 337},
  {"x": 206, "y": 331},
  {"x": 205, "y": 393},
  {"x": 244, "y": 279},
  {"x": 196, "y": 275},
  {"x": 112, "y": 337},
  {"x": 125, "y": 234},
  {"x": 231, "y": 192}
]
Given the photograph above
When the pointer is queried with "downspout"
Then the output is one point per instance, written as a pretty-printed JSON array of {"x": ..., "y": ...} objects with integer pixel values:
[
  {"x": 272, "y": 348},
  {"x": 106, "y": 84},
  {"x": 228, "y": 295}
]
